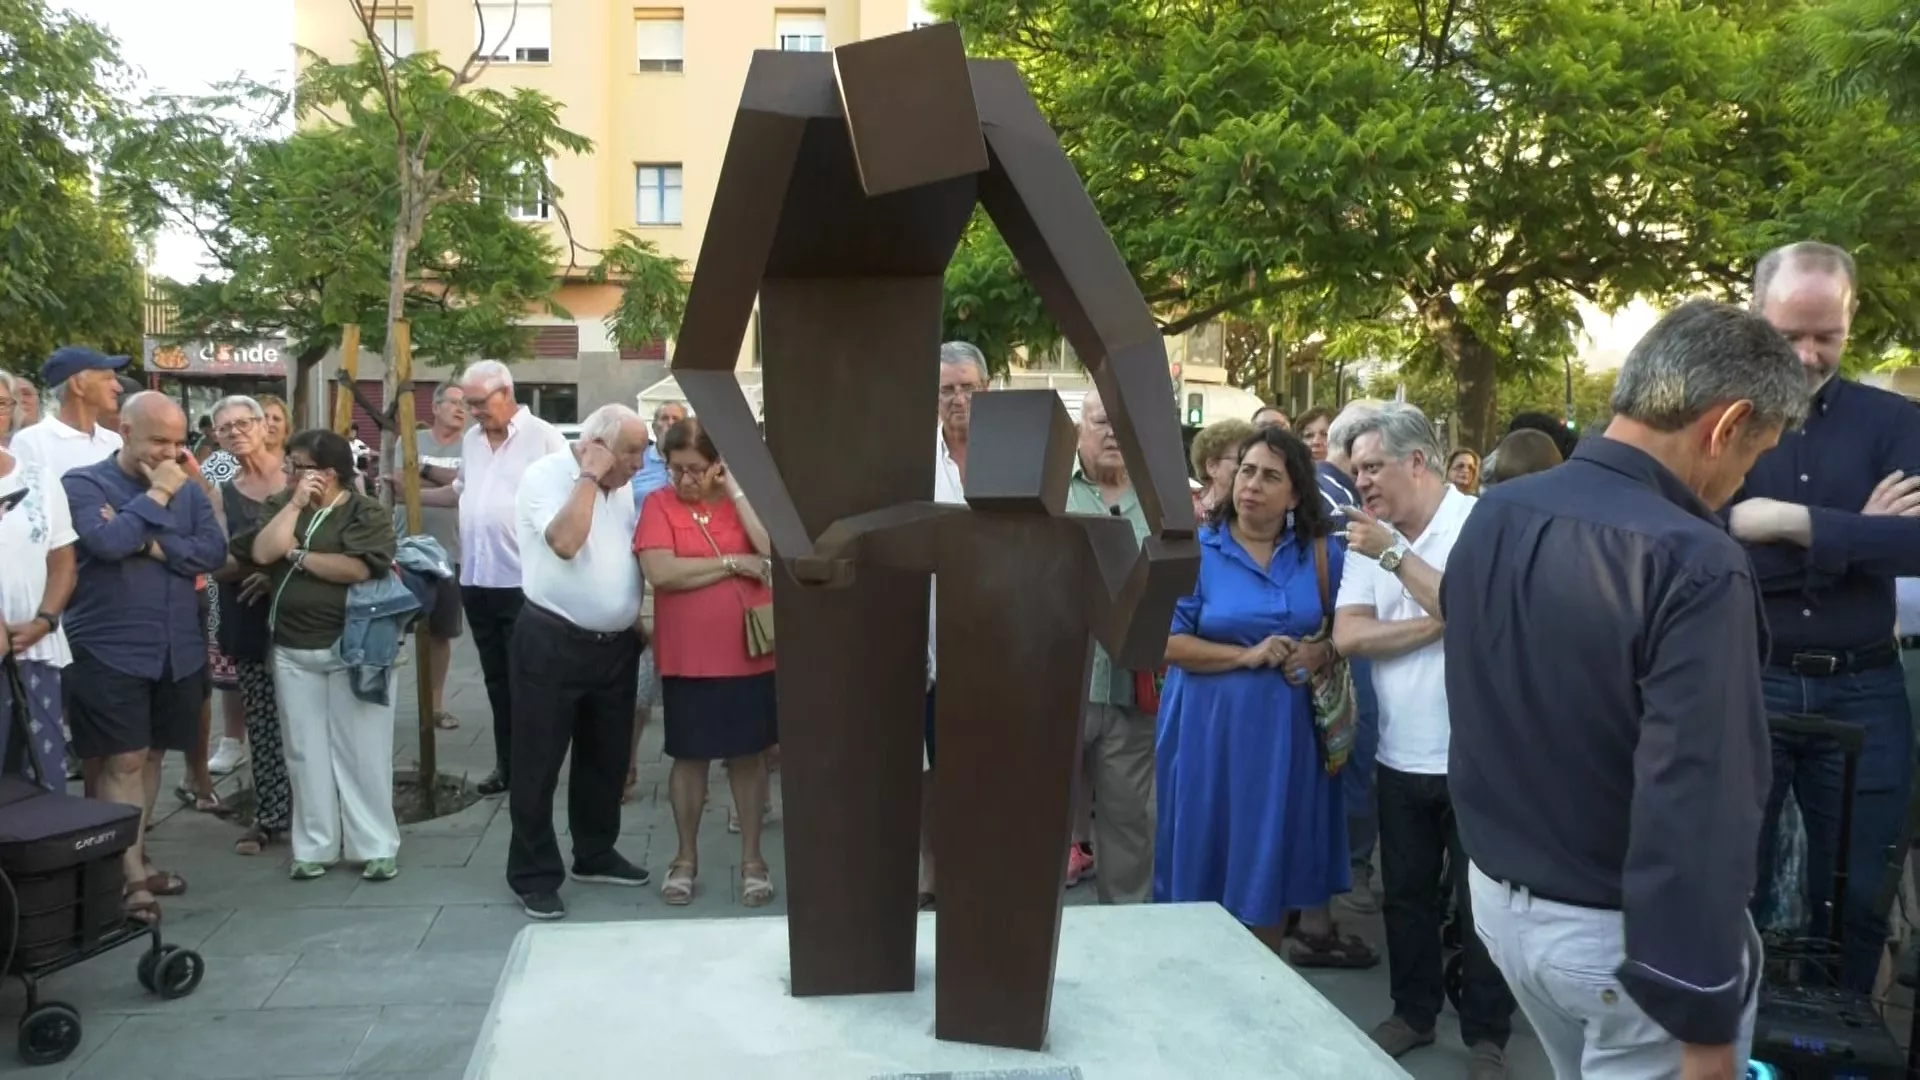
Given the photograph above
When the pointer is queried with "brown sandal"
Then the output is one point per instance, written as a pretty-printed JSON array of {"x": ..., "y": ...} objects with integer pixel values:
[
  {"x": 146, "y": 912},
  {"x": 255, "y": 841},
  {"x": 1331, "y": 951},
  {"x": 164, "y": 883}
]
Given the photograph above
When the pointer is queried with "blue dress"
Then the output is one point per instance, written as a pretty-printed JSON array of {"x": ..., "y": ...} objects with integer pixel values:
[{"x": 1249, "y": 817}]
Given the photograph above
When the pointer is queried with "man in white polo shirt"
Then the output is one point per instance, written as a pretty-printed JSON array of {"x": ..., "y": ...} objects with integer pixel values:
[
  {"x": 575, "y": 658},
  {"x": 498, "y": 449},
  {"x": 1388, "y": 611},
  {"x": 83, "y": 429}
]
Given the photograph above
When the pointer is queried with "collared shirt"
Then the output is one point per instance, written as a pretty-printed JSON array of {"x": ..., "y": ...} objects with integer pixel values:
[
  {"x": 63, "y": 449},
  {"x": 136, "y": 614},
  {"x": 947, "y": 488},
  {"x": 1412, "y": 687},
  {"x": 599, "y": 588},
  {"x": 1610, "y": 739},
  {"x": 489, "y": 544},
  {"x": 652, "y": 475},
  {"x": 1838, "y": 594},
  {"x": 38, "y": 526},
  {"x": 1109, "y": 686}
]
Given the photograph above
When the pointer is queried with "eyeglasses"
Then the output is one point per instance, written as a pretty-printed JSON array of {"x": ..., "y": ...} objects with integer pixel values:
[
  {"x": 679, "y": 472},
  {"x": 949, "y": 393},
  {"x": 236, "y": 427}
]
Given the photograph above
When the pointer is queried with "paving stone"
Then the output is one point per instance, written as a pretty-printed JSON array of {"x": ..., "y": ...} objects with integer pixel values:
[
  {"x": 433, "y": 886},
  {"x": 442, "y": 851},
  {"x": 409, "y": 978},
  {"x": 108, "y": 984},
  {"x": 419, "y": 1039},
  {"x": 251, "y": 1045},
  {"x": 95, "y": 1031},
  {"x": 379, "y": 931}
]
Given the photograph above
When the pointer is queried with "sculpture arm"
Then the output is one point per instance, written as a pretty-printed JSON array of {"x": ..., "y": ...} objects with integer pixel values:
[{"x": 903, "y": 537}]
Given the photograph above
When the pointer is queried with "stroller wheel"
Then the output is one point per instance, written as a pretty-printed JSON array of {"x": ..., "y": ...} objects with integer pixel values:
[
  {"x": 149, "y": 963},
  {"x": 49, "y": 1033},
  {"x": 178, "y": 973},
  {"x": 1454, "y": 976}
]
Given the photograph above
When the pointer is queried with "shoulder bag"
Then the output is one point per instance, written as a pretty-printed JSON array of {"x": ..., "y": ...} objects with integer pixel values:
[
  {"x": 1335, "y": 722},
  {"x": 759, "y": 616}
]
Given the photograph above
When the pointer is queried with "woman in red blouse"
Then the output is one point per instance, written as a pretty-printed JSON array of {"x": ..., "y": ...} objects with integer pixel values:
[{"x": 707, "y": 557}]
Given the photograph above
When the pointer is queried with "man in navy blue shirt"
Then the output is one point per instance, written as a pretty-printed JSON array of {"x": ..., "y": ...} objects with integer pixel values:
[
  {"x": 134, "y": 689},
  {"x": 1356, "y": 780},
  {"x": 1831, "y": 518},
  {"x": 1609, "y": 762}
]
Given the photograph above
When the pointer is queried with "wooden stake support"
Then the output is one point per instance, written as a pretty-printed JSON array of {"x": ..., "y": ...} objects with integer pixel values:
[
  {"x": 350, "y": 364},
  {"x": 408, "y": 452}
]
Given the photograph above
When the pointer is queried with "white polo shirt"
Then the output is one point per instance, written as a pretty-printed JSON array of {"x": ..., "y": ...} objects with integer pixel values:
[
  {"x": 946, "y": 489},
  {"x": 489, "y": 545},
  {"x": 599, "y": 588},
  {"x": 1414, "y": 724},
  {"x": 39, "y": 525},
  {"x": 61, "y": 449}
]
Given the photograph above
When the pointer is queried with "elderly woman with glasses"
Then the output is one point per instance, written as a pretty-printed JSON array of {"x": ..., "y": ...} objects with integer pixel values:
[
  {"x": 316, "y": 539},
  {"x": 242, "y": 634},
  {"x": 707, "y": 557}
]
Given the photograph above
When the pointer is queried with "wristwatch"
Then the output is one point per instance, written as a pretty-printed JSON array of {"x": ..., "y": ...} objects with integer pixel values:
[
  {"x": 1391, "y": 558},
  {"x": 51, "y": 618}
]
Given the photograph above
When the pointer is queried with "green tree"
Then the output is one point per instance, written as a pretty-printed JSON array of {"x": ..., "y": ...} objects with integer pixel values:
[
  {"x": 1865, "y": 49},
  {"x": 68, "y": 271},
  {"x": 1541, "y": 391},
  {"x": 1468, "y": 171}
]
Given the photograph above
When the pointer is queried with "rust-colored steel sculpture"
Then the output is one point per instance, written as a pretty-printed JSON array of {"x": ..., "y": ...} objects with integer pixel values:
[{"x": 847, "y": 182}]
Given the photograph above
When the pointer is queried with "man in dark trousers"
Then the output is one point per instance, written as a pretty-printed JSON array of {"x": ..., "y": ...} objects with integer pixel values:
[
  {"x": 1831, "y": 517},
  {"x": 1609, "y": 763}
]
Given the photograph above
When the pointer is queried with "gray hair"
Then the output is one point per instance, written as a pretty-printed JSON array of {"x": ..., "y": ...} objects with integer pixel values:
[
  {"x": 58, "y": 391},
  {"x": 1705, "y": 353},
  {"x": 1338, "y": 437},
  {"x": 488, "y": 375},
  {"x": 1806, "y": 255},
  {"x": 955, "y": 353},
  {"x": 1403, "y": 430},
  {"x": 604, "y": 423},
  {"x": 237, "y": 401},
  {"x": 440, "y": 392}
]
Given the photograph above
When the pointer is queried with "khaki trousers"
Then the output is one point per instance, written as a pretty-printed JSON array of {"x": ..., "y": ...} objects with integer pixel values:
[{"x": 1117, "y": 762}]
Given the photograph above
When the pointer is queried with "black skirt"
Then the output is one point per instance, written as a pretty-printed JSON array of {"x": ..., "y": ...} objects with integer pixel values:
[{"x": 709, "y": 719}]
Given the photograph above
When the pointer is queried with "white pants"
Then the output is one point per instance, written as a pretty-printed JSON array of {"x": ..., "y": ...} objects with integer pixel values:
[
  {"x": 339, "y": 759},
  {"x": 1560, "y": 960}
]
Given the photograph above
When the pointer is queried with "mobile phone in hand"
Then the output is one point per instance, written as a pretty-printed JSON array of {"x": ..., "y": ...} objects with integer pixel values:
[{"x": 12, "y": 499}]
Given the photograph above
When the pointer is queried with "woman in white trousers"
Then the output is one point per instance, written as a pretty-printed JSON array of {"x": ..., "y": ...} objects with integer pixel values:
[{"x": 319, "y": 538}]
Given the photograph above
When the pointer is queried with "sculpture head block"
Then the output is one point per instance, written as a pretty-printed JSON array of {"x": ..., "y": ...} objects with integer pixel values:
[{"x": 1021, "y": 455}]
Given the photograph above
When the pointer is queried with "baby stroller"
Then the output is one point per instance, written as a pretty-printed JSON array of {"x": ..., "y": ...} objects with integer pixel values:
[{"x": 61, "y": 885}]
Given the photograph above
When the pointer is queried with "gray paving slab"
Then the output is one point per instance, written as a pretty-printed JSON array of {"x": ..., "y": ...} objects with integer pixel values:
[
  {"x": 241, "y": 1045},
  {"x": 108, "y": 984},
  {"x": 409, "y": 978},
  {"x": 419, "y": 1039},
  {"x": 302, "y": 931}
]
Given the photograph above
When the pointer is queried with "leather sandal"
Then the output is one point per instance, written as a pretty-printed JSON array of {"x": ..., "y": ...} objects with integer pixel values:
[
  {"x": 677, "y": 890},
  {"x": 756, "y": 885}
]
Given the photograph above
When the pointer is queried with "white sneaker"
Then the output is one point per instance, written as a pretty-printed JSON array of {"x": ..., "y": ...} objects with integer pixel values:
[{"x": 228, "y": 756}]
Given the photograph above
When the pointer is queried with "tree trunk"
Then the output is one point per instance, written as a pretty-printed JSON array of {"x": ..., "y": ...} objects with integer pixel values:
[
  {"x": 396, "y": 310},
  {"x": 1473, "y": 362},
  {"x": 301, "y": 392}
]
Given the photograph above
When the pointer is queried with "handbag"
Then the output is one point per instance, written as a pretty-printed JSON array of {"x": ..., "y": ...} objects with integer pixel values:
[
  {"x": 1336, "y": 722},
  {"x": 759, "y": 616}
]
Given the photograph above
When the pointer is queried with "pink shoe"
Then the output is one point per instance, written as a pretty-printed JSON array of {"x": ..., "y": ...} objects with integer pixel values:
[{"x": 1079, "y": 865}]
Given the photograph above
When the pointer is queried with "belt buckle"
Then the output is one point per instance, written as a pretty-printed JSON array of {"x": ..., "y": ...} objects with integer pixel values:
[{"x": 1815, "y": 664}]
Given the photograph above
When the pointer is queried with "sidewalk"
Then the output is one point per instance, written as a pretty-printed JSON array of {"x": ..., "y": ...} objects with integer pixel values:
[{"x": 336, "y": 977}]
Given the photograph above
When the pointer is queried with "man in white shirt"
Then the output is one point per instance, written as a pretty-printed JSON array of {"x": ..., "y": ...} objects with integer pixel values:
[
  {"x": 496, "y": 454},
  {"x": 36, "y": 548},
  {"x": 84, "y": 427},
  {"x": 575, "y": 658},
  {"x": 1388, "y": 611}
]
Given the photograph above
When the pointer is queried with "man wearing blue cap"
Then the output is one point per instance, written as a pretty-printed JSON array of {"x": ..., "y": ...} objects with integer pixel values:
[{"x": 83, "y": 428}]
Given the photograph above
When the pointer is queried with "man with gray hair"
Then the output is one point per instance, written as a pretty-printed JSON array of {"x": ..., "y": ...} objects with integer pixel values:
[
  {"x": 575, "y": 658},
  {"x": 1831, "y": 517},
  {"x": 494, "y": 454},
  {"x": 1388, "y": 613},
  {"x": 1610, "y": 756},
  {"x": 84, "y": 427}
]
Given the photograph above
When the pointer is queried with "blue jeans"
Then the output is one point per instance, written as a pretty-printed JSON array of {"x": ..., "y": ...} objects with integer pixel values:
[
  {"x": 1356, "y": 780},
  {"x": 1811, "y": 767}
]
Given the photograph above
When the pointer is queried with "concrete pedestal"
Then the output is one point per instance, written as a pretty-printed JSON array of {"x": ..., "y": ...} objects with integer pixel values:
[{"x": 1142, "y": 993}]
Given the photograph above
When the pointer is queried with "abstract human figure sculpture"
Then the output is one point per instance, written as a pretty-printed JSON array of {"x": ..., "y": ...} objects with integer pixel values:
[{"x": 847, "y": 182}]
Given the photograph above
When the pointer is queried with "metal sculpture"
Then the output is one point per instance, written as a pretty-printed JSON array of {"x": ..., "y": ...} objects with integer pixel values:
[{"x": 846, "y": 185}]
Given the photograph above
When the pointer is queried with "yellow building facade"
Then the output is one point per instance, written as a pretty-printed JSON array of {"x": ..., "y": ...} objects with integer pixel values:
[{"x": 655, "y": 85}]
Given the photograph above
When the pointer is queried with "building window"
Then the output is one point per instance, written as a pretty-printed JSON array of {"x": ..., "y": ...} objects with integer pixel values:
[
  {"x": 656, "y": 194},
  {"x": 804, "y": 31},
  {"x": 660, "y": 40},
  {"x": 555, "y": 341},
  {"x": 556, "y": 403},
  {"x": 530, "y": 199},
  {"x": 510, "y": 36},
  {"x": 918, "y": 15},
  {"x": 393, "y": 29},
  {"x": 652, "y": 350}
]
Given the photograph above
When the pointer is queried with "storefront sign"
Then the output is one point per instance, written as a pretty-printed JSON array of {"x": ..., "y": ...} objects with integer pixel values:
[{"x": 258, "y": 358}]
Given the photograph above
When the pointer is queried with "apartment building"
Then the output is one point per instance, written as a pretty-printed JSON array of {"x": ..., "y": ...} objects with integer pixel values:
[{"x": 654, "y": 84}]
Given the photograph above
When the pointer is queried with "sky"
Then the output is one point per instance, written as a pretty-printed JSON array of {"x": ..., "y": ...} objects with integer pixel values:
[{"x": 178, "y": 48}]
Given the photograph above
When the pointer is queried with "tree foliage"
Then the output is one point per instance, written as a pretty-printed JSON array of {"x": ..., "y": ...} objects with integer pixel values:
[
  {"x": 68, "y": 271},
  {"x": 1467, "y": 170}
]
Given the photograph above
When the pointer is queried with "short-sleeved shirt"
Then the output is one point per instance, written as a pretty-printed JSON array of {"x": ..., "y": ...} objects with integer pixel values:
[
  {"x": 599, "y": 588},
  {"x": 1415, "y": 728},
  {"x": 1109, "y": 685},
  {"x": 701, "y": 633},
  {"x": 441, "y": 522},
  {"x": 489, "y": 477},
  {"x": 28, "y": 532},
  {"x": 63, "y": 449},
  {"x": 309, "y": 613}
]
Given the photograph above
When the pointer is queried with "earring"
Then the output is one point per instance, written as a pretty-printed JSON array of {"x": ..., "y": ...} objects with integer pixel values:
[{"x": 1289, "y": 521}]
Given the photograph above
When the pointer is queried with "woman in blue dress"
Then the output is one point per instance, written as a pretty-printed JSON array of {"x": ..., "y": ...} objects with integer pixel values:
[{"x": 1249, "y": 818}]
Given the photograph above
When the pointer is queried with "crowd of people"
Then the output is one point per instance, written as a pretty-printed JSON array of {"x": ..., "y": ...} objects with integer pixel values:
[{"x": 1588, "y": 792}]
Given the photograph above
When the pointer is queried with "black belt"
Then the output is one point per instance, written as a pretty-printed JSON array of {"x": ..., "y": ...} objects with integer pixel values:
[
  {"x": 567, "y": 629},
  {"x": 1910, "y": 641},
  {"x": 1819, "y": 663}
]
